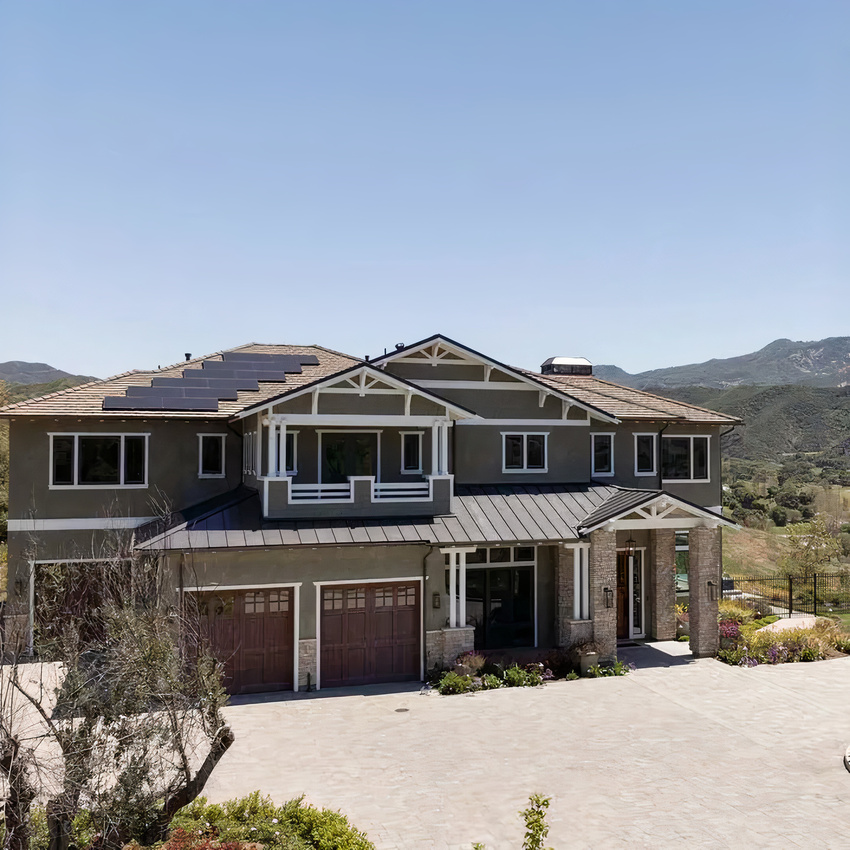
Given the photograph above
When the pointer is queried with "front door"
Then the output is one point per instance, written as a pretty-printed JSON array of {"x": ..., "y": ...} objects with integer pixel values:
[{"x": 630, "y": 611}]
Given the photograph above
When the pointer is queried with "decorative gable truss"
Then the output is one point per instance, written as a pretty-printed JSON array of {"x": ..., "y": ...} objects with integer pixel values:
[{"x": 633, "y": 510}]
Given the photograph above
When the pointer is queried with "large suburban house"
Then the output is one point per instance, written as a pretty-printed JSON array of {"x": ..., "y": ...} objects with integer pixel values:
[{"x": 346, "y": 521}]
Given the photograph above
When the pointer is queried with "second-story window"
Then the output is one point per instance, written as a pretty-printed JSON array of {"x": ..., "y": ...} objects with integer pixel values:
[
  {"x": 211, "y": 455},
  {"x": 411, "y": 452},
  {"x": 291, "y": 452},
  {"x": 645, "y": 454},
  {"x": 601, "y": 454},
  {"x": 524, "y": 452},
  {"x": 98, "y": 460},
  {"x": 684, "y": 458}
]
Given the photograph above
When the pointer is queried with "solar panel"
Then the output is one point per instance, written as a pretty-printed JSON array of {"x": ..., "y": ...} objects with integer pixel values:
[{"x": 201, "y": 389}]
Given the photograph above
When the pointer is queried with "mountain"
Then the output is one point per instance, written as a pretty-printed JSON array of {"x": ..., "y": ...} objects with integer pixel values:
[
  {"x": 825, "y": 363},
  {"x": 21, "y": 372}
]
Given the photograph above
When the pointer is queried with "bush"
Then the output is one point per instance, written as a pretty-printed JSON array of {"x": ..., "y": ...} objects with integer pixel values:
[
  {"x": 292, "y": 826},
  {"x": 754, "y": 646},
  {"x": 454, "y": 683},
  {"x": 490, "y": 682},
  {"x": 618, "y": 668},
  {"x": 516, "y": 677}
]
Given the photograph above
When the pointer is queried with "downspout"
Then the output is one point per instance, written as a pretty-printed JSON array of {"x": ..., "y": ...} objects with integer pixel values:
[{"x": 660, "y": 454}]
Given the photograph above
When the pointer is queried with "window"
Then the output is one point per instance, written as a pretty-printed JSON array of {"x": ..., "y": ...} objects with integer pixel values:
[
  {"x": 684, "y": 458},
  {"x": 411, "y": 452},
  {"x": 645, "y": 454},
  {"x": 291, "y": 449},
  {"x": 524, "y": 452},
  {"x": 602, "y": 454},
  {"x": 98, "y": 460},
  {"x": 682, "y": 562},
  {"x": 211, "y": 455},
  {"x": 248, "y": 453}
]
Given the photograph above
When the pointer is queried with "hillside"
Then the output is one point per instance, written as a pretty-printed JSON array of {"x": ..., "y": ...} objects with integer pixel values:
[
  {"x": 22, "y": 372},
  {"x": 824, "y": 363}
]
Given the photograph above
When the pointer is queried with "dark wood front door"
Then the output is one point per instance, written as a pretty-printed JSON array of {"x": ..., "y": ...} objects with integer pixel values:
[
  {"x": 622, "y": 595},
  {"x": 370, "y": 633},
  {"x": 251, "y": 633}
]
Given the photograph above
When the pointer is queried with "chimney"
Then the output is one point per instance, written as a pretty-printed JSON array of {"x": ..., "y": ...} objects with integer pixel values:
[{"x": 567, "y": 366}]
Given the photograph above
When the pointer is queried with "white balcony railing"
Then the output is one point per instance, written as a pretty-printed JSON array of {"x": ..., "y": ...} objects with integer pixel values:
[
  {"x": 403, "y": 490},
  {"x": 320, "y": 492}
]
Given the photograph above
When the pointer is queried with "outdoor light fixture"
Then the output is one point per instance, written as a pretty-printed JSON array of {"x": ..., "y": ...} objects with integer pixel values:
[
  {"x": 609, "y": 597},
  {"x": 436, "y": 599},
  {"x": 712, "y": 591},
  {"x": 630, "y": 546}
]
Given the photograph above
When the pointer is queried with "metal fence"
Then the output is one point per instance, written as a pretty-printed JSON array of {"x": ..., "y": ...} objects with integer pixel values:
[{"x": 820, "y": 593}]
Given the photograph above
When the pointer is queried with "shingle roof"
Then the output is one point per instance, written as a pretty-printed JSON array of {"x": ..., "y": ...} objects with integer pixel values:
[
  {"x": 628, "y": 403},
  {"x": 482, "y": 515},
  {"x": 87, "y": 399}
]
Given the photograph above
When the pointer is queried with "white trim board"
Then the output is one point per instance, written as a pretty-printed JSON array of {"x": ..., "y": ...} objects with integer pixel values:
[{"x": 79, "y": 524}]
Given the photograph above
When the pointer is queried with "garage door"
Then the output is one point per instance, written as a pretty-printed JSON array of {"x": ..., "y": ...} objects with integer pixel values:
[
  {"x": 370, "y": 633},
  {"x": 251, "y": 633}
]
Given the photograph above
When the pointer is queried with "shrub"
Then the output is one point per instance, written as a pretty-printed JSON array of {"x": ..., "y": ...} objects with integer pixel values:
[
  {"x": 469, "y": 663},
  {"x": 618, "y": 668},
  {"x": 490, "y": 682},
  {"x": 572, "y": 675},
  {"x": 254, "y": 818},
  {"x": 454, "y": 683},
  {"x": 560, "y": 662},
  {"x": 516, "y": 677}
]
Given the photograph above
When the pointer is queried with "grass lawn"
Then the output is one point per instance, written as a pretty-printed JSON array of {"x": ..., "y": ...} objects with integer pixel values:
[{"x": 845, "y": 621}]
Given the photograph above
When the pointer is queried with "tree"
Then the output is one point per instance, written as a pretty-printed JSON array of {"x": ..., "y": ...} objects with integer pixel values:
[
  {"x": 812, "y": 547},
  {"x": 132, "y": 726}
]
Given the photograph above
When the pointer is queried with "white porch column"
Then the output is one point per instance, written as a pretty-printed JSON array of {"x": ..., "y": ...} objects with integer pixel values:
[
  {"x": 584, "y": 553},
  {"x": 461, "y": 614},
  {"x": 577, "y": 588},
  {"x": 272, "y": 454},
  {"x": 258, "y": 447},
  {"x": 281, "y": 450},
  {"x": 444, "y": 454},
  {"x": 453, "y": 589},
  {"x": 435, "y": 449}
]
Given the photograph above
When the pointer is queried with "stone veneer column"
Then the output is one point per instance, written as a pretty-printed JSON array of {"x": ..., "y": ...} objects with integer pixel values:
[
  {"x": 662, "y": 583},
  {"x": 564, "y": 580},
  {"x": 443, "y": 646},
  {"x": 704, "y": 567},
  {"x": 306, "y": 663},
  {"x": 603, "y": 573}
]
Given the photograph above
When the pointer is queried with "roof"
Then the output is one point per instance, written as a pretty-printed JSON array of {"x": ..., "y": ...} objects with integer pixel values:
[
  {"x": 88, "y": 399},
  {"x": 626, "y": 500},
  {"x": 522, "y": 514},
  {"x": 628, "y": 403}
]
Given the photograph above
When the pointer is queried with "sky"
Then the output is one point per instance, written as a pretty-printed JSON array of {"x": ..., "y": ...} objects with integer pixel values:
[{"x": 640, "y": 183}]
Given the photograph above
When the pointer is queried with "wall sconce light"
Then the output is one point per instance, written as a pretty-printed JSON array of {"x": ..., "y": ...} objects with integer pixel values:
[
  {"x": 436, "y": 599},
  {"x": 712, "y": 591},
  {"x": 630, "y": 546},
  {"x": 609, "y": 597}
]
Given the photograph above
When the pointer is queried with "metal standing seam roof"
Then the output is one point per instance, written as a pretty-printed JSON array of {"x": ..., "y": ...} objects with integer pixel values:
[
  {"x": 483, "y": 515},
  {"x": 87, "y": 399}
]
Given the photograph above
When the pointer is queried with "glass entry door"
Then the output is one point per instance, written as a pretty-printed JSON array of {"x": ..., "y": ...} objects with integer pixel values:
[
  {"x": 500, "y": 605},
  {"x": 630, "y": 593}
]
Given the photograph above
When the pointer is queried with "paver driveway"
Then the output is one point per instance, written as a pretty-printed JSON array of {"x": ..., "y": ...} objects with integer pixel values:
[{"x": 683, "y": 754}]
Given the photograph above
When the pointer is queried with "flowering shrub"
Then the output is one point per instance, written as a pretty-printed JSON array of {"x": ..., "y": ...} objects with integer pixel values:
[
  {"x": 754, "y": 645},
  {"x": 618, "y": 668},
  {"x": 729, "y": 629}
]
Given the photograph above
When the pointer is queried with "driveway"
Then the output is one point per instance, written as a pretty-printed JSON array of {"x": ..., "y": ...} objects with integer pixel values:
[{"x": 679, "y": 753}]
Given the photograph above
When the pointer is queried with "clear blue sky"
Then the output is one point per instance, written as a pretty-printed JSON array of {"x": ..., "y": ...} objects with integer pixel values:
[{"x": 641, "y": 183}]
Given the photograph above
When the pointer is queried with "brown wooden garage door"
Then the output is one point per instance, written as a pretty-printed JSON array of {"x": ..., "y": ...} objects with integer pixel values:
[
  {"x": 370, "y": 633},
  {"x": 251, "y": 633}
]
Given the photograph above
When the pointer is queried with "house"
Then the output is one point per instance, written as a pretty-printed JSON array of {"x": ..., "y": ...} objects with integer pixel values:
[{"x": 348, "y": 521}]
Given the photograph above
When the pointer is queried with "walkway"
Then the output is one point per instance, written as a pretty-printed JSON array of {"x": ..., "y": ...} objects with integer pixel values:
[{"x": 680, "y": 753}]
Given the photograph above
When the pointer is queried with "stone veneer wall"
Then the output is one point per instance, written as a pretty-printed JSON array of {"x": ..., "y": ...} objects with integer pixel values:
[
  {"x": 306, "y": 663},
  {"x": 442, "y": 646},
  {"x": 564, "y": 589},
  {"x": 662, "y": 583},
  {"x": 603, "y": 573},
  {"x": 704, "y": 566}
]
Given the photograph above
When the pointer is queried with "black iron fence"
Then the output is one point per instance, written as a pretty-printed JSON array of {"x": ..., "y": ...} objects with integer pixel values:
[{"x": 817, "y": 594}]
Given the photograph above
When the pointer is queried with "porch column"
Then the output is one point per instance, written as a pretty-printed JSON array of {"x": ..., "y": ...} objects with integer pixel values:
[
  {"x": 453, "y": 588},
  {"x": 461, "y": 614},
  {"x": 603, "y": 576},
  {"x": 705, "y": 571},
  {"x": 281, "y": 449},
  {"x": 662, "y": 583},
  {"x": 435, "y": 449},
  {"x": 272, "y": 453},
  {"x": 444, "y": 452}
]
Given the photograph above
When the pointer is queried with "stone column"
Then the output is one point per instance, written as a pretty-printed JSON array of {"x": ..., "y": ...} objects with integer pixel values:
[
  {"x": 603, "y": 573},
  {"x": 704, "y": 567},
  {"x": 564, "y": 589},
  {"x": 662, "y": 583}
]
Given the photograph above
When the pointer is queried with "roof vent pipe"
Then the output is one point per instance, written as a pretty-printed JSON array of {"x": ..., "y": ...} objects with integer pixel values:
[
  {"x": 188, "y": 356},
  {"x": 567, "y": 366},
  {"x": 399, "y": 346}
]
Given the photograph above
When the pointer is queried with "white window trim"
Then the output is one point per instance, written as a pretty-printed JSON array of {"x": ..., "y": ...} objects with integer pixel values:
[
  {"x": 654, "y": 471},
  {"x": 525, "y": 468},
  {"x": 404, "y": 434},
  {"x": 281, "y": 453},
  {"x": 593, "y": 472},
  {"x": 690, "y": 437},
  {"x": 201, "y": 473},
  {"x": 76, "y": 468},
  {"x": 248, "y": 454}
]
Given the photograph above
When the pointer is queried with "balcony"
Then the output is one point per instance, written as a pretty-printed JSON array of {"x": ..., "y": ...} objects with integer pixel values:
[{"x": 360, "y": 496}]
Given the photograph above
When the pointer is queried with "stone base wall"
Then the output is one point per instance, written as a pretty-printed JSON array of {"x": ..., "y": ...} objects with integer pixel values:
[
  {"x": 662, "y": 583},
  {"x": 442, "y": 646},
  {"x": 564, "y": 580},
  {"x": 704, "y": 567},
  {"x": 603, "y": 573},
  {"x": 306, "y": 663}
]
